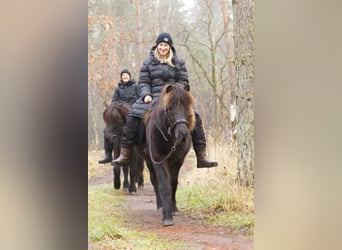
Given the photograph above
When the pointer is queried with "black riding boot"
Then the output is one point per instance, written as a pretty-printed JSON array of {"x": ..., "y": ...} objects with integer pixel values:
[
  {"x": 202, "y": 161},
  {"x": 123, "y": 159},
  {"x": 108, "y": 152},
  {"x": 199, "y": 144},
  {"x": 128, "y": 138}
]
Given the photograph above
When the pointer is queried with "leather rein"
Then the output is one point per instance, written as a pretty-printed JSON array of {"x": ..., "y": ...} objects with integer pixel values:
[{"x": 169, "y": 132}]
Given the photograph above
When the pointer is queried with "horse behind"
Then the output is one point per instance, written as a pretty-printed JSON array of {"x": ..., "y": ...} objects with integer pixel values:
[
  {"x": 114, "y": 117},
  {"x": 168, "y": 139}
]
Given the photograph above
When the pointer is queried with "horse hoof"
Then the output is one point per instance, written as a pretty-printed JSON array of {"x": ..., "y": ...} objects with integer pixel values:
[
  {"x": 133, "y": 193},
  {"x": 117, "y": 182},
  {"x": 116, "y": 185},
  {"x": 167, "y": 222}
]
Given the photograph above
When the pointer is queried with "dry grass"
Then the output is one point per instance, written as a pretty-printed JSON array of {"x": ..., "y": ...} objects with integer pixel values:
[
  {"x": 106, "y": 225},
  {"x": 213, "y": 193},
  {"x": 95, "y": 169}
]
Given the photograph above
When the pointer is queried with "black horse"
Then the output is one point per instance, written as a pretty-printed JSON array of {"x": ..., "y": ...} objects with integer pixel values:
[
  {"x": 168, "y": 140},
  {"x": 114, "y": 117}
]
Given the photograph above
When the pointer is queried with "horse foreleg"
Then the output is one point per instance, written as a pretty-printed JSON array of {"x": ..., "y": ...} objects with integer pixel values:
[
  {"x": 140, "y": 172},
  {"x": 116, "y": 172},
  {"x": 126, "y": 182},
  {"x": 132, "y": 176},
  {"x": 139, "y": 163},
  {"x": 116, "y": 168},
  {"x": 165, "y": 194},
  {"x": 174, "y": 182},
  {"x": 154, "y": 181}
]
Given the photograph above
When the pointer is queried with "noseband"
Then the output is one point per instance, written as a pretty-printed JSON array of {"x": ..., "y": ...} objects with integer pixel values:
[{"x": 174, "y": 124}]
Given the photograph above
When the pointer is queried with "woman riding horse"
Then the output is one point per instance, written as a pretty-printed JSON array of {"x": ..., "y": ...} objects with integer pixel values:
[{"x": 162, "y": 67}]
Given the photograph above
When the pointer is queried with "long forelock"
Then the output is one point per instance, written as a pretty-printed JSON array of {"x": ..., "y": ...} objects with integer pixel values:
[
  {"x": 113, "y": 110},
  {"x": 176, "y": 97},
  {"x": 179, "y": 97}
]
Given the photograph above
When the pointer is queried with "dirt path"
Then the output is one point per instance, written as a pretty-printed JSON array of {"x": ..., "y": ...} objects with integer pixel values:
[
  {"x": 106, "y": 178},
  {"x": 185, "y": 228},
  {"x": 142, "y": 210}
]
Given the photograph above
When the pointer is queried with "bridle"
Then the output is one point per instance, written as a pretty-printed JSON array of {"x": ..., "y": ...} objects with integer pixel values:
[
  {"x": 170, "y": 130},
  {"x": 175, "y": 123}
]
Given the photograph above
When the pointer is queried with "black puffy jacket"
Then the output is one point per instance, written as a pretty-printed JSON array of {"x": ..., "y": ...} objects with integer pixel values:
[
  {"x": 153, "y": 76},
  {"x": 126, "y": 92}
]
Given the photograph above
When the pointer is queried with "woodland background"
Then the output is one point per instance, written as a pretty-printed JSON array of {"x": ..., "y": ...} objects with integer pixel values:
[{"x": 215, "y": 38}]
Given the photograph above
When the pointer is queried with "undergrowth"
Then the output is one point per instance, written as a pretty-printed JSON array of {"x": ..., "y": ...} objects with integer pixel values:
[
  {"x": 214, "y": 196},
  {"x": 106, "y": 227},
  {"x": 95, "y": 169}
]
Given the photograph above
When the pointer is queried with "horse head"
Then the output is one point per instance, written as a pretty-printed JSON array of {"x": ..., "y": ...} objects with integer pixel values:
[
  {"x": 114, "y": 117},
  {"x": 177, "y": 105}
]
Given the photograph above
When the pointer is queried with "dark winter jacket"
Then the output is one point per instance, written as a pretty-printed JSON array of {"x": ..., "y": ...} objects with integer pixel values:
[
  {"x": 153, "y": 76},
  {"x": 126, "y": 92}
]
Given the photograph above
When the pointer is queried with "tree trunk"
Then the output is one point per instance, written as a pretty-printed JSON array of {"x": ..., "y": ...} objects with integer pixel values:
[
  {"x": 139, "y": 30},
  {"x": 244, "y": 65},
  {"x": 92, "y": 111},
  {"x": 226, "y": 9}
]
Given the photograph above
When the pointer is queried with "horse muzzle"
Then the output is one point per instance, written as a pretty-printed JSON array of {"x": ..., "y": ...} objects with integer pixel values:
[
  {"x": 180, "y": 130},
  {"x": 175, "y": 124}
]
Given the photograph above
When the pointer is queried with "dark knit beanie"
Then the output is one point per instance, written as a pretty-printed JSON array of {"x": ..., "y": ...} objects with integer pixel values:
[
  {"x": 125, "y": 71},
  {"x": 164, "y": 37}
]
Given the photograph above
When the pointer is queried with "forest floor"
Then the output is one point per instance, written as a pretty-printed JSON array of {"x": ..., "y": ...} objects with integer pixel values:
[{"x": 142, "y": 215}]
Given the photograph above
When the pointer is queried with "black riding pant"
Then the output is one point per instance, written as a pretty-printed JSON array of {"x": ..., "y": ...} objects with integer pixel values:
[
  {"x": 198, "y": 136},
  {"x": 132, "y": 132}
]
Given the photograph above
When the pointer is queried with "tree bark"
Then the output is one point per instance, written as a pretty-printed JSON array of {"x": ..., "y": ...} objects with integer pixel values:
[
  {"x": 226, "y": 5},
  {"x": 244, "y": 65},
  {"x": 139, "y": 30},
  {"x": 92, "y": 112}
]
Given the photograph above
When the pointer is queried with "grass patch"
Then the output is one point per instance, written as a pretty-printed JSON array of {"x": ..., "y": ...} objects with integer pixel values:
[
  {"x": 106, "y": 224},
  {"x": 104, "y": 214},
  {"x": 107, "y": 213},
  {"x": 94, "y": 168},
  {"x": 221, "y": 207},
  {"x": 213, "y": 196}
]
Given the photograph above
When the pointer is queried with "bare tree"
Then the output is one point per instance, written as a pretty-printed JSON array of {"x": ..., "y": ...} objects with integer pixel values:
[
  {"x": 205, "y": 46},
  {"x": 102, "y": 58},
  {"x": 139, "y": 29},
  {"x": 226, "y": 10},
  {"x": 121, "y": 34},
  {"x": 244, "y": 65}
]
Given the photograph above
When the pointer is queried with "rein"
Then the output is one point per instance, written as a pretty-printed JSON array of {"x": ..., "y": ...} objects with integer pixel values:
[
  {"x": 175, "y": 144},
  {"x": 173, "y": 148}
]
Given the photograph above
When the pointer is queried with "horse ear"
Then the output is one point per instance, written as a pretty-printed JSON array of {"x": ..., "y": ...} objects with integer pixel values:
[
  {"x": 169, "y": 88},
  {"x": 187, "y": 87}
]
